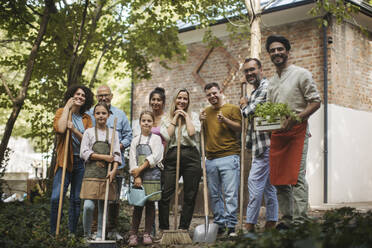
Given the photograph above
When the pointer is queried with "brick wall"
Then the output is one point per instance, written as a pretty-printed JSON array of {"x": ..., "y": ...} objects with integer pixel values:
[
  {"x": 350, "y": 66},
  {"x": 306, "y": 40},
  {"x": 351, "y": 62}
]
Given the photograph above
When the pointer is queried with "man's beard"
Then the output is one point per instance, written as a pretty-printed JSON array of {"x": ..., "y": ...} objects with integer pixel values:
[{"x": 284, "y": 59}]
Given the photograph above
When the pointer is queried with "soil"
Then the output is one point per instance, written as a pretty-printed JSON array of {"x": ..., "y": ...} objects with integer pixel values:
[{"x": 199, "y": 220}]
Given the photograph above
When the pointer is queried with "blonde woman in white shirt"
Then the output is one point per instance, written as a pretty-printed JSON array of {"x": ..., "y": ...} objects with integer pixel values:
[{"x": 190, "y": 169}]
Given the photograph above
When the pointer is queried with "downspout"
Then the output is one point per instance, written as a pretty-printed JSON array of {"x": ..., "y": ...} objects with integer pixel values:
[{"x": 325, "y": 100}]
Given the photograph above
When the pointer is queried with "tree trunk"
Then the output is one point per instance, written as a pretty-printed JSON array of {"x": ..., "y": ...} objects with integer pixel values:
[
  {"x": 254, "y": 10},
  {"x": 18, "y": 102}
]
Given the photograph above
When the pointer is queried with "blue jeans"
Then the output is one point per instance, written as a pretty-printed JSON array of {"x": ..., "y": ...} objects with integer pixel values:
[
  {"x": 89, "y": 206},
  {"x": 258, "y": 185},
  {"x": 223, "y": 173},
  {"x": 75, "y": 178}
]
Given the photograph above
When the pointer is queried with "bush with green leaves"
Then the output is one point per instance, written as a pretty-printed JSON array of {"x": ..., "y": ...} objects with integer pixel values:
[
  {"x": 25, "y": 224},
  {"x": 344, "y": 227}
]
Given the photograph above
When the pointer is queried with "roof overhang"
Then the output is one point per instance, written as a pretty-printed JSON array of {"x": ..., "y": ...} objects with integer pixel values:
[{"x": 280, "y": 15}]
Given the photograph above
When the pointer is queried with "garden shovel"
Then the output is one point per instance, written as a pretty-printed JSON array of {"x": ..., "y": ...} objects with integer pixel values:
[{"x": 206, "y": 233}]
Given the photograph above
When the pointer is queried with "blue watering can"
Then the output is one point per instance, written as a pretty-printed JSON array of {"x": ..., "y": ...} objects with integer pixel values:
[{"x": 138, "y": 197}]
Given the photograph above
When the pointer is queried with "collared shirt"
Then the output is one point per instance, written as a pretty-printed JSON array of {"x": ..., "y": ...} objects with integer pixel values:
[
  {"x": 122, "y": 127},
  {"x": 295, "y": 87},
  {"x": 186, "y": 140},
  {"x": 258, "y": 141}
]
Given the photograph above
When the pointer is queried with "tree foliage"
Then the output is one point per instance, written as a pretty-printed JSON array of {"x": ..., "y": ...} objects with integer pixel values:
[{"x": 117, "y": 37}]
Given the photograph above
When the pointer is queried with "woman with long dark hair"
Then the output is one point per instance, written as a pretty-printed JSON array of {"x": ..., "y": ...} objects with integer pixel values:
[{"x": 78, "y": 99}]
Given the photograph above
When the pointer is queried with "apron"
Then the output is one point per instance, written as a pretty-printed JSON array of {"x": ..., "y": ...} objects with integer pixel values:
[
  {"x": 285, "y": 155},
  {"x": 94, "y": 181},
  {"x": 150, "y": 176}
]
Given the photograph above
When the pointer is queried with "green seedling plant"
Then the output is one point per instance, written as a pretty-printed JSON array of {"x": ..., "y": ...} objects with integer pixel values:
[{"x": 272, "y": 112}]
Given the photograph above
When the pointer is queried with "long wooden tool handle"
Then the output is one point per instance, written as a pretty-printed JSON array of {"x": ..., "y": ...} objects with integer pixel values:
[
  {"x": 177, "y": 172},
  {"x": 108, "y": 182},
  {"x": 205, "y": 189},
  {"x": 64, "y": 166},
  {"x": 242, "y": 153}
]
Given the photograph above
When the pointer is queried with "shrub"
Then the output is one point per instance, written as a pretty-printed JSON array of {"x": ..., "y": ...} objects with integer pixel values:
[
  {"x": 344, "y": 227},
  {"x": 23, "y": 224}
]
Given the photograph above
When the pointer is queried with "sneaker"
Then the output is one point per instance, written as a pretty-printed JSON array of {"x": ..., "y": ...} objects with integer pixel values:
[
  {"x": 231, "y": 232},
  {"x": 87, "y": 239},
  {"x": 282, "y": 226},
  {"x": 98, "y": 239},
  {"x": 118, "y": 236},
  {"x": 147, "y": 239},
  {"x": 133, "y": 240},
  {"x": 221, "y": 229},
  {"x": 114, "y": 235}
]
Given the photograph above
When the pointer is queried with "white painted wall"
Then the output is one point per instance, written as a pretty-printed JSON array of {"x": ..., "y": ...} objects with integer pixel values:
[
  {"x": 23, "y": 157},
  {"x": 349, "y": 156},
  {"x": 315, "y": 156},
  {"x": 350, "y": 159}
]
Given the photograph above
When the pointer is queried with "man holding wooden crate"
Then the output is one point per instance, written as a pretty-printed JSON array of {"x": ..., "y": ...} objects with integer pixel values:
[
  {"x": 294, "y": 86},
  {"x": 259, "y": 142}
]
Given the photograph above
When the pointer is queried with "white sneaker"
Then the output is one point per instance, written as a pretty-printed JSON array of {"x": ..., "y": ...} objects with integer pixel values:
[
  {"x": 118, "y": 236},
  {"x": 233, "y": 234}
]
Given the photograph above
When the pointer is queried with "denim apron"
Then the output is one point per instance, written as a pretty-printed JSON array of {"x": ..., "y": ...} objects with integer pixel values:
[
  {"x": 94, "y": 181},
  {"x": 150, "y": 176}
]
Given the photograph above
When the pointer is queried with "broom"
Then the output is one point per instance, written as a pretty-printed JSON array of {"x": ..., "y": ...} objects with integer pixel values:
[
  {"x": 176, "y": 236},
  {"x": 65, "y": 150},
  {"x": 108, "y": 183}
]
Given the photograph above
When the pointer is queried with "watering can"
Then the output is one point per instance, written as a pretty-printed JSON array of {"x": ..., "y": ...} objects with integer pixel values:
[{"x": 137, "y": 196}]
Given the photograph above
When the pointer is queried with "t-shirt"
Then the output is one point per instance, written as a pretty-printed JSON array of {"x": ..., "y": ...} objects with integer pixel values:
[{"x": 221, "y": 141}]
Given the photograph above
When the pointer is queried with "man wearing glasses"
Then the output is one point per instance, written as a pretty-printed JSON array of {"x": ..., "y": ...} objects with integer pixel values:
[{"x": 105, "y": 95}]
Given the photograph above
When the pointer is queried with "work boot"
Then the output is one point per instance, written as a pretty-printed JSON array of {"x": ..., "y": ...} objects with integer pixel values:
[
  {"x": 270, "y": 225},
  {"x": 249, "y": 227}
]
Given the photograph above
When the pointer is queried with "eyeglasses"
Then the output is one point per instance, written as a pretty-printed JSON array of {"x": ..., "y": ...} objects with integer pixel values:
[
  {"x": 104, "y": 95},
  {"x": 252, "y": 69}
]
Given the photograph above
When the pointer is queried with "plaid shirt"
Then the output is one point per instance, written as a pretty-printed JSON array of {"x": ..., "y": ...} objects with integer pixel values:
[{"x": 257, "y": 141}]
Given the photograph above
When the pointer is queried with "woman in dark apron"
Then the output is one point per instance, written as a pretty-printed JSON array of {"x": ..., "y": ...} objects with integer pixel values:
[
  {"x": 95, "y": 150},
  {"x": 146, "y": 152}
]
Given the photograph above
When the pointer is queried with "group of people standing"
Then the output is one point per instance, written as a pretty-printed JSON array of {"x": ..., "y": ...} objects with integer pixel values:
[{"x": 278, "y": 165}]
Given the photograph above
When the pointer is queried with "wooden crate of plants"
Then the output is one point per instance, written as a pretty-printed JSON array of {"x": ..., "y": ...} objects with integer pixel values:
[
  {"x": 270, "y": 116},
  {"x": 263, "y": 125}
]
